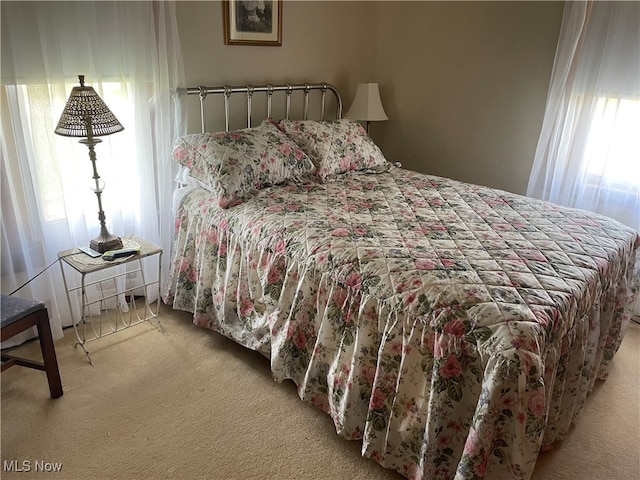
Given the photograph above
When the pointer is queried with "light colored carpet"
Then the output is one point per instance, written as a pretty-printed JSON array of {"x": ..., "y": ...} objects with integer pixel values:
[{"x": 194, "y": 405}]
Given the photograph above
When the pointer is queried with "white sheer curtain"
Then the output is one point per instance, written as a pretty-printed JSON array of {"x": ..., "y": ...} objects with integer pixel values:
[
  {"x": 130, "y": 53},
  {"x": 588, "y": 154}
]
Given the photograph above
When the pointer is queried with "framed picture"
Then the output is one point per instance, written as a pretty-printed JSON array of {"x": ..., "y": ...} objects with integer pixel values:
[{"x": 252, "y": 22}]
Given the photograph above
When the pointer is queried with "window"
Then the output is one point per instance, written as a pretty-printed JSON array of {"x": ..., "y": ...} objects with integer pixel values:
[
  {"x": 612, "y": 153},
  {"x": 60, "y": 166}
]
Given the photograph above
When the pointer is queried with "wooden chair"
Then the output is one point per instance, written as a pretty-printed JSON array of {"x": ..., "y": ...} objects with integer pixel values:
[{"x": 19, "y": 314}]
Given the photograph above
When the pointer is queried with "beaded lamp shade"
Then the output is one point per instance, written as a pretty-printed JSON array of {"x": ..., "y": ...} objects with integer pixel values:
[{"x": 86, "y": 115}]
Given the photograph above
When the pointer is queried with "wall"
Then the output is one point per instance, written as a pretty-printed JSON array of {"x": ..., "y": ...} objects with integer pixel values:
[
  {"x": 464, "y": 85},
  {"x": 321, "y": 41}
]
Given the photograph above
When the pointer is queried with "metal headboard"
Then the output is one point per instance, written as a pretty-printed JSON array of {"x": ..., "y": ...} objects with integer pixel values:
[{"x": 250, "y": 90}]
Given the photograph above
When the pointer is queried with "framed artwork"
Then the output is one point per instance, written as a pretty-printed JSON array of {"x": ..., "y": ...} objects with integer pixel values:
[{"x": 252, "y": 22}]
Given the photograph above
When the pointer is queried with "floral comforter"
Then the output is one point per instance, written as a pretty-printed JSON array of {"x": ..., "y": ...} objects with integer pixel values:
[{"x": 454, "y": 328}]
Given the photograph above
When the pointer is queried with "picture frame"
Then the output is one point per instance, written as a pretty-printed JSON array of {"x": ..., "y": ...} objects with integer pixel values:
[{"x": 252, "y": 22}]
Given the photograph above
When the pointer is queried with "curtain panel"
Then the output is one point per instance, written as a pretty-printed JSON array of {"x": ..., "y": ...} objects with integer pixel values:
[
  {"x": 130, "y": 53},
  {"x": 588, "y": 153}
]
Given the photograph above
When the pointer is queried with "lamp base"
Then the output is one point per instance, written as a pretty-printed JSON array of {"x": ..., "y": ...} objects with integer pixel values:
[{"x": 104, "y": 243}]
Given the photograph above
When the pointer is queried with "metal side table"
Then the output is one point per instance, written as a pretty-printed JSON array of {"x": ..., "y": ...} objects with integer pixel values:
[{"x": 108, "y": 299}]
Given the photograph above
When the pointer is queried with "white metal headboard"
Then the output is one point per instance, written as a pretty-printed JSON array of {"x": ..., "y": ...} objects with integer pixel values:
[{"x": 250, "y": 90}]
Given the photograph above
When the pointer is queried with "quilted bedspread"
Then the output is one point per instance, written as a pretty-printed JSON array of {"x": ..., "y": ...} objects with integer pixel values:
[{"x": 454, "y": 328}]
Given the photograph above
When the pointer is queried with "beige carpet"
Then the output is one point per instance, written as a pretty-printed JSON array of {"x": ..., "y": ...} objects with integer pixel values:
[{"x": 193, "y": 405}]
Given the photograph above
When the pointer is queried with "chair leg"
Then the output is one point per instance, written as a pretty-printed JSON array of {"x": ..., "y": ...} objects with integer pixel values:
[{"x": 49, "y": 354}]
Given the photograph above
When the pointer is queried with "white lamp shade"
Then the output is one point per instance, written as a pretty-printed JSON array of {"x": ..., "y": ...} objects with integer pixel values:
[{"x": 366, "y": 105}]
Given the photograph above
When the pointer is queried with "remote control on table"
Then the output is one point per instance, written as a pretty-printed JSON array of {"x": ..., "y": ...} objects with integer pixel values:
[{"x": 120, "y": 253}]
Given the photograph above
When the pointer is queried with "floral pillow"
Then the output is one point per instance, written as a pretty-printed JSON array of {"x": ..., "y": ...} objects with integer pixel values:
[
  {"x": 235, "y": 165},
  {"x": 336, "y": 146}
]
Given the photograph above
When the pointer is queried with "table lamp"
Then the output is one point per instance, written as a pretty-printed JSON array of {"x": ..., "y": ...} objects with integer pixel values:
[
  {"x": 366, "y": 105},
  {"x": 86, "y": 115}
]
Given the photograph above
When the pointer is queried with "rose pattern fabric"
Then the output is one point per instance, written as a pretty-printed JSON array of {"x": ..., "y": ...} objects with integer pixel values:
[
  {"x": 335, "y": 146},
  {"x": 234, "y": 165},
  {"x": 455, "y": 329}
]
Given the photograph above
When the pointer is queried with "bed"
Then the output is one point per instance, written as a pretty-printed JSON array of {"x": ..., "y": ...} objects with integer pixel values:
[{"x": 454, "y": 329}]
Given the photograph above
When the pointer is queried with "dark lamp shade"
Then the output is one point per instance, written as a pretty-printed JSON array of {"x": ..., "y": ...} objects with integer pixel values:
[{"x": 86, "y": 115}]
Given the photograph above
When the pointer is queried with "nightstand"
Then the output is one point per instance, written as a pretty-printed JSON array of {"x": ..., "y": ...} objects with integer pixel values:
[{"x": 107, "y": 293}]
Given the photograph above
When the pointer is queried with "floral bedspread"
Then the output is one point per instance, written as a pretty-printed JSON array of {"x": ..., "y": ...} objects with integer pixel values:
[{"x": 455, "y": 329}]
